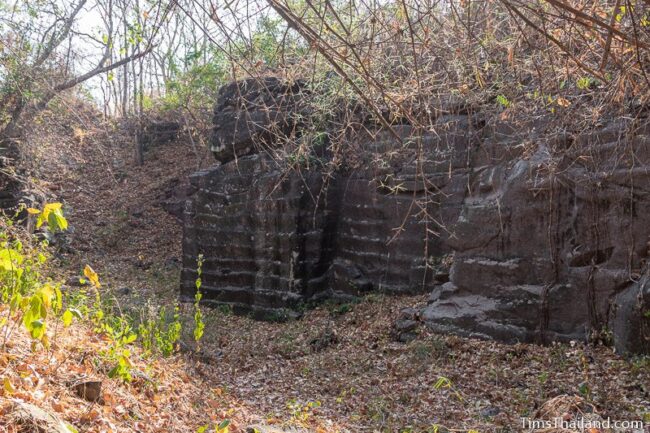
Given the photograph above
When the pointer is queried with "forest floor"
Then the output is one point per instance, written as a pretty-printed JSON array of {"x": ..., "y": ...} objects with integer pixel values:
[{"x": 336, "y": 369}]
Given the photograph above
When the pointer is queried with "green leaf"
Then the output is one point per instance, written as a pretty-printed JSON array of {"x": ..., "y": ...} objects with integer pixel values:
[
  {"x": 92, "y": 276},
  {"x": 67, "y": 318},
  {"x": 9, "y": 259},
  {"x": 114, "y": 372},
  {"x": 56, "y": 221},
  {"x": 15, "y": 302},
  {"x": 58, "y": 299},
  {"x": 37, "y": 329},
  {"x": 223, "y": 427},
  {"x": 503, "y": 101}
]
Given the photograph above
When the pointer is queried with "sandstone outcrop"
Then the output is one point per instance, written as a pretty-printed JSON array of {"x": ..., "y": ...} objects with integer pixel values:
[
  {"x": 159, "y": 131},
  {"x": 519, "y": 233},
  {"x": 10, "y": 187},
  {"x": 252, "y": 114}
]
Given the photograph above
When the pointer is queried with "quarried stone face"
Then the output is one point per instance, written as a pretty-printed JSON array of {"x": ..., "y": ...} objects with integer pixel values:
[
  {"x": 519, "y": 233},
  {"x": 252, "y": 114}
]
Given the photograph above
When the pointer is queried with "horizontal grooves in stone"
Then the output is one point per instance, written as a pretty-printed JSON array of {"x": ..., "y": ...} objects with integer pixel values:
[{"x": 272, "y": 248}]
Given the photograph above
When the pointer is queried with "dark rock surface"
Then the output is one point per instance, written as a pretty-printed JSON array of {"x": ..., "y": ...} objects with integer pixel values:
[
  {"x": 252, "y": 114},
  {"x": 543, "y": 254},
  {"x": 159, "y": 131},
  {"x": 89, "y": 390},
  {"x": 629, "y": 318},
  {"x": 173, "y": 199},
  {"x": 405, "y": 327},
  {"x": 11, "y": 190},
  {"x": 531, "y": 235},
  {"x": 274, "y": 239}
]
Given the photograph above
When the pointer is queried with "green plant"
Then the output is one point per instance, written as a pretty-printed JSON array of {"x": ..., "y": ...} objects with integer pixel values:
[
  {"x": 199, "y": 324},
  {"x": 640, "y": 364},
  {"x": 301, "y": 413},
  {"x": 52, "y": 214},
  {"x": 584, "y": 388},
  {"x": 120, "y": 332},
  {"x": 378, "y": 410},
  {"x": 584, "y": 83},
  {"x": 421, "y": 351},
  {"x": 346, "y": 392},
  {"x": 225, "y": 309},
  {"x": 542, "y": 378},
  {"x": 159, "y": 332},
  {"x": 339, "y": 308},
  {"x": 503, "y": 101},
  {"x": 29, "y": 298},
  {"x": 222, "y": 427},
  {"x": 118, "y": 328},
  {"x": 445, "y": 383},
  {"x": 122, "y": 368}
]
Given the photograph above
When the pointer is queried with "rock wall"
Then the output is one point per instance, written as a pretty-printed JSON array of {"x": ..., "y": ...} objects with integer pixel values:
[
  {"x": 519, "y": 233},
  {"x": 11, "y": 190},
  {"x": 155, "y": 132},
  {"x": 553, "y": 244},
  {"x": 273, "y": 239}
]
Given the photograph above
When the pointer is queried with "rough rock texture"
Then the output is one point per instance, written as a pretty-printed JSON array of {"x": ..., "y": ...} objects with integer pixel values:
[
  {"x": 531, "y": 235},
  {"x": 159, "y": 131},
  {"x": 545, "y": 243},
  {"x": 274, "y": 239},
  {"x": 10, "y": 188},
  {"x": 629, "y": 318},
  {"x": 252, "y": 114}
]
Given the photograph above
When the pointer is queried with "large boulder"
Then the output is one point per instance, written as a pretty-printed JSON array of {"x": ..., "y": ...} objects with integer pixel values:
[
  {"x": 274, "y": 239},
  {"x": 254, "y": 113}
]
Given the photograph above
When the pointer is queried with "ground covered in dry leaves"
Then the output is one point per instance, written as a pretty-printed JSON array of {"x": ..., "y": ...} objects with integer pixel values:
[
  {"x": 368, "y": 382},
  {"x": 336, "y": 369}
]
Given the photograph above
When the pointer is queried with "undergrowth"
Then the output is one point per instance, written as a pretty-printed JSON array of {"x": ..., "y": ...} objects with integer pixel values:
[{"x": 32, "y": 301}]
